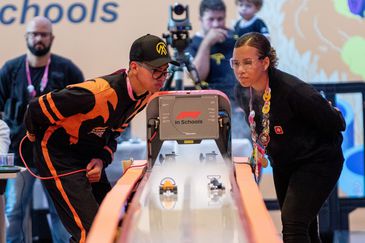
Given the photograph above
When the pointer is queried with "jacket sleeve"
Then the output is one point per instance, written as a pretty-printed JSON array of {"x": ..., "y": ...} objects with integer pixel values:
[
  {"x": 309, "y": 105},
  {"x": 107, "y": 153},
  {"x": 56, "y": 107},
  {"x": 5, "y": 83},
  {"x": 53, "y": 107},
  {"x": 4, "y": 137}
]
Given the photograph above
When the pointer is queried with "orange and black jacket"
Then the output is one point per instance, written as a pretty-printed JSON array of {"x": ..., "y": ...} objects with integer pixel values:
[{"x": 83, "y": 120}]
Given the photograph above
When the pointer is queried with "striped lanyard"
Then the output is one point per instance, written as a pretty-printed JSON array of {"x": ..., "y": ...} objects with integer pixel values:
[{"x": 44, "y": 81}]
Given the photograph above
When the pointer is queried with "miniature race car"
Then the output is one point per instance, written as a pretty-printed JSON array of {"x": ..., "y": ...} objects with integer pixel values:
[
  {"x": 208, "y": 156},
  {"x": 168, "y": 157},
  {"x": 168, "y": 185},
  {"x": 215, "y": 184}
]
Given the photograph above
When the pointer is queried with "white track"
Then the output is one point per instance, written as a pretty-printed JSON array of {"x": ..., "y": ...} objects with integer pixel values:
[{"x": 195, "y": 214}]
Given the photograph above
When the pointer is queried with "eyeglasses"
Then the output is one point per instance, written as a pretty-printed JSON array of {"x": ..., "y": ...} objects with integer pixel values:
[
  {"x": 246, "y": 63},
  {"x": 41, "y": 34},
  {"x": 156, "y": 73}
]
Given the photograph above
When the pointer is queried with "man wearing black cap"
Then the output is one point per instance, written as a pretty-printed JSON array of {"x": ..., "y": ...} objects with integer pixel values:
[{"x": 74, "y": 129}]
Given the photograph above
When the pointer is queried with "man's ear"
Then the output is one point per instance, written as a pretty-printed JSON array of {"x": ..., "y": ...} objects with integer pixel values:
[{"x": 133, "y": 66}]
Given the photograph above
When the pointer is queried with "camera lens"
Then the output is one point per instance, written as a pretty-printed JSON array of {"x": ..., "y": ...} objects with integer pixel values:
[{"x": 179, "y": 9}]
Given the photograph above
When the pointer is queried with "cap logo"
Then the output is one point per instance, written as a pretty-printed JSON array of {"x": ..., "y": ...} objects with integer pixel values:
[{"x": 161, "y": 48}]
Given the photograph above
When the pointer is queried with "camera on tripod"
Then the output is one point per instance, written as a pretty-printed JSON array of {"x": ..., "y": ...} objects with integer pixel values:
[
  {"x": 178, "y": 38},
  {"x": 178, "y": 26}
]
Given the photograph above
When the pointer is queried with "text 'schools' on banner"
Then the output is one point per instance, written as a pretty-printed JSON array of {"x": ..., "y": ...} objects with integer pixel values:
[{"x": 19, "y": 12}]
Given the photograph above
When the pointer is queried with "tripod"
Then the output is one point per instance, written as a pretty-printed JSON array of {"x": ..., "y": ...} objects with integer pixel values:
[{"x": 185, "y": 60}]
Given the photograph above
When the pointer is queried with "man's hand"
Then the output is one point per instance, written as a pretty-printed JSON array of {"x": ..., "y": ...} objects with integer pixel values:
[
  {"x": 31, "y": 136},
  {"x": 216, "y": 35},
  {"x": 93, "y": 170}
]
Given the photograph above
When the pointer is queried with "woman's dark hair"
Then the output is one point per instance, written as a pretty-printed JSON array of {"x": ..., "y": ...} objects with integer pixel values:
[
  {"x": 261, "y": 43},
  {"x": 214, "y": 5}
]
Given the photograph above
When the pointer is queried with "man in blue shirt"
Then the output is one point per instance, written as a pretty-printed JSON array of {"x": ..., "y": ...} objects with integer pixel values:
[{"x": 212, "y": 49}]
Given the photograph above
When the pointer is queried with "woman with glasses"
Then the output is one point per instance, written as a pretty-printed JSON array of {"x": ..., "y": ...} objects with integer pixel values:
[{"x": 293, "y": 127}]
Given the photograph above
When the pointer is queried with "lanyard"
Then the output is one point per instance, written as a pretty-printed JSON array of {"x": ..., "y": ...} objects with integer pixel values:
[
  {"x": 44, "y": 80},
  {"x": 260, "y": 142},
  {"x": 130, "y": 90}
]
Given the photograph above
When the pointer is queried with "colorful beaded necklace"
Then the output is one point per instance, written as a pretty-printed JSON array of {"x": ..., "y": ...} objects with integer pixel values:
[{"x": 257, "y": 159}]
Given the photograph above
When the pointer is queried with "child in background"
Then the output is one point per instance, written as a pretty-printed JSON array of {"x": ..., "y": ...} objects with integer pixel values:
[{"x": 248, "y": 21}]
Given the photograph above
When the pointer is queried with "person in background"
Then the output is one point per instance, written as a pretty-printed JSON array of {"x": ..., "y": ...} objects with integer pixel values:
[
  {"x": 4, "y": 146},
  {"x": 211, "y": 49},
  {"x": 248, "y": 21},
  {"x": 21, "y": 79},
  {"x": 286, "y": 117},
  {"x": 79, "y": 125}
]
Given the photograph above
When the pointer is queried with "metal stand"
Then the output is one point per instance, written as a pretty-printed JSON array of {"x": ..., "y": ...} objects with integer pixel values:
[
  {"x": 185, "y": 60},
  {"x": 154, "y": 121}
]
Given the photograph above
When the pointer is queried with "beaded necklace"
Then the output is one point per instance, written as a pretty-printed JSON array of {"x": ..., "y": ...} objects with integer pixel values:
[{"x": 260, "y": 142}]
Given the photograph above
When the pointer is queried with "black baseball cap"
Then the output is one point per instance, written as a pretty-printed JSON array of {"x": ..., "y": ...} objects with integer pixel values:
[{"x": 151, "y": 50}]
